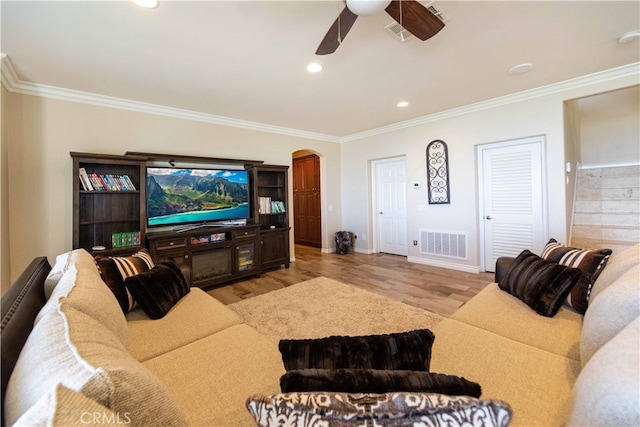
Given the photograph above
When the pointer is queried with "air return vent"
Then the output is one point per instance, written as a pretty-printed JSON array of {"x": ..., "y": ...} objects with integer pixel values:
[
  {"x": 398, "y": 31},
  {"x": 401, "y": 34},
  {"x": 450, "y": 244},
  {"x": 437, "y": 10}
]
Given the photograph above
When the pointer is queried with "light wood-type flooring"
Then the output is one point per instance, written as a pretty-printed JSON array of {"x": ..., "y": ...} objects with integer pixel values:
[{"x": 438, "y": 290}]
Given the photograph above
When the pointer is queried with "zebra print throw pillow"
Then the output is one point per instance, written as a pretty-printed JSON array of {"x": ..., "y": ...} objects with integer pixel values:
[
  {"x": 590, "y": 262},
  {"x": 114, "y": 270}
]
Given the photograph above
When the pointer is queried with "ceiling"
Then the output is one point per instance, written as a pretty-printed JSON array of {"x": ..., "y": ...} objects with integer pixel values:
[{"x": 246, "y": 60}]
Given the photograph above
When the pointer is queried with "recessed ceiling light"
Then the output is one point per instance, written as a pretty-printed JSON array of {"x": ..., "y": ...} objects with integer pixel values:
[
  {"x": 314, "y": 67},
  {"x": 402, "y": 104},
  {"x": 149, "y": 4},
  {"x": 521, "y": 69},
  {"x": 629, "y": 37}
]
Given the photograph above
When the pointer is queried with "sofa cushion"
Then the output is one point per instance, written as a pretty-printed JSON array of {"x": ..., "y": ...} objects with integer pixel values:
[
  {"x": 618, "y": 264},
  {"x": 397, "y": 409},
  {"x": 536, "y": 383},
  {"x": 195, "y": 316},
  {"x": 114, "y": 270},
  {"x": 490, "y": 308},
  {"x": 376, "y": 381},
  {"x": 590, "y": 262},
  {"x": 158, "y": 289},
  {"x": 69, "y": 347},
  {"x": 65, "y": 407},
  {"x": 218, "y": 373},
  {"x": 607, "y": 392},
  {"x": 403, "y": 350},
  {"x": 84, "y": 290},
  {"x": 57, "y": 271},
  {"x": 542, "y": 285},
  {"x": 608, "y": 314}
]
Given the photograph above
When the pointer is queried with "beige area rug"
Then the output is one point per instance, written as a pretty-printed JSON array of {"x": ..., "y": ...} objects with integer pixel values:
[{"x": 323, "y": 307}]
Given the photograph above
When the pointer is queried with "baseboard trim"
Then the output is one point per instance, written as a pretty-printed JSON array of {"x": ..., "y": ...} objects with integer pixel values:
[
  {"x": 445, "y": 264},
  {"x": 363, "y": 251}
]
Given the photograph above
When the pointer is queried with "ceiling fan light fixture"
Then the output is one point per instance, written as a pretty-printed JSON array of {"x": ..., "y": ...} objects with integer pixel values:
[
  {"x": 148, "y": 4},
  {"x": 367, "y": 7},
  {"x": 314, "y": 67}
]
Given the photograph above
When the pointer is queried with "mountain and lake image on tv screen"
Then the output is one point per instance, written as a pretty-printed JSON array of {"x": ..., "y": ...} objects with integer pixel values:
[{"x": 182, "y": 196}]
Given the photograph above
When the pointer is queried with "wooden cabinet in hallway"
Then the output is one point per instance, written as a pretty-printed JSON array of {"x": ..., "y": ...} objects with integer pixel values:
[{"x": 306, "y": 201}]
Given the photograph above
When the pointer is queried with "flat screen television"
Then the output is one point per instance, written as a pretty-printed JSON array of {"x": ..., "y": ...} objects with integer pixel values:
[{"x": 186, "y": 196}]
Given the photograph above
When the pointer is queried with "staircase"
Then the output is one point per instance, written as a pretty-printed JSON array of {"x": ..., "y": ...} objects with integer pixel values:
[{"x": 607, "y": 208}]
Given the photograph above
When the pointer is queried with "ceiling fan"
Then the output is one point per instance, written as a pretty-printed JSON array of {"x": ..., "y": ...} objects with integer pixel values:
[{"x": 410, "y": 14}]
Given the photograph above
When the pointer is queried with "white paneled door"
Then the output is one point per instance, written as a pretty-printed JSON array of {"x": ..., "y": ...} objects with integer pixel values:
[
  {"x": 512, "y": 198},
  {"x": 391, "y": 212}
]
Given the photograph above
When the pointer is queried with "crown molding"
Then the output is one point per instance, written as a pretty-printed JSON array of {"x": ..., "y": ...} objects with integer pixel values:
[
  {"x": 13, "y": 84},
  {"x": 629, "y": 70},
  {"x": 8, "y": 74}
]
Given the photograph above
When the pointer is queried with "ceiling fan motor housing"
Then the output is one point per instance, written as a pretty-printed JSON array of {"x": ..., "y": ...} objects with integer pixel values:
[{"x": 367, "y": 7}]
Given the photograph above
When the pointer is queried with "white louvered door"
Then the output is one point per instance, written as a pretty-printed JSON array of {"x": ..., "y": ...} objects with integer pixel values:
[{"x": 512, "y": 198}]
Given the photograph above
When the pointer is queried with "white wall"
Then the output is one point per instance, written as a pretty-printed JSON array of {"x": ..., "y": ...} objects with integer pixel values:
[
  {"x": 543, "y": 115},
  {"x": 5, "y": 276},
  {"x": 610, "y": 120},
  {"x": 41, "y": 133}
]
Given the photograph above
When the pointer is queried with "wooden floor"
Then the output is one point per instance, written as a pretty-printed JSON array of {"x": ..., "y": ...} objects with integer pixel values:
[{"x": 438, "y": 290}]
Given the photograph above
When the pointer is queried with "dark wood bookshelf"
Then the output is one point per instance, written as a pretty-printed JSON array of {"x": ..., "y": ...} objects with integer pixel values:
[
  {"x": 271, "y": 181},
  {"x": 99, "y": 214}
]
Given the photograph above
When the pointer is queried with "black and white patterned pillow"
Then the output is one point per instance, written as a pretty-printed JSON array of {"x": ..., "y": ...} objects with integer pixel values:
[
  {"x": 399, "y": 409},
  {"x": 590, "y": 262},
  {"x": 114, "y": 270}
]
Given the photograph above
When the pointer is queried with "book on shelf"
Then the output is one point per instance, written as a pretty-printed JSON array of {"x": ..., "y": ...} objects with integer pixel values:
[
  {"x": 277, "y": 206},
  {"x": 264, "y": 205},
  {"x": 268, "y": 206},
  {"x": 125, "y": 239},
  {"x": 105, "y": 182},
  {"x": 84, "y": 180}
]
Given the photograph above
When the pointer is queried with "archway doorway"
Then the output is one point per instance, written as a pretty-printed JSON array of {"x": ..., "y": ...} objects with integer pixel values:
[{"x": 307, "y": 207}]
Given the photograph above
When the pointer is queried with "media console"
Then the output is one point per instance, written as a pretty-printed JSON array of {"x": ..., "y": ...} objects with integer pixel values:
[
  {"x": 210, "y": 256},
  {"x": 110, "y": 218}
]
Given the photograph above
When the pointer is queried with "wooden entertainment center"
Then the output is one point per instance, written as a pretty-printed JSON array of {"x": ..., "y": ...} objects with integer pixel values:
[{"x": 110, "y": 218}]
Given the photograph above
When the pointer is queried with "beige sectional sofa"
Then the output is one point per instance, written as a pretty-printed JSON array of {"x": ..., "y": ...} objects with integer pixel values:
[
  {"x": 195, "y": 366},
  {"x": 567, "y": 369},
  {"x": 85, "y": 362}
]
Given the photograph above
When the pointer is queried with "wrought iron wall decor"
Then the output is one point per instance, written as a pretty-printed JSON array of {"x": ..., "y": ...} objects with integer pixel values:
[{"x": 438, "y": 173}]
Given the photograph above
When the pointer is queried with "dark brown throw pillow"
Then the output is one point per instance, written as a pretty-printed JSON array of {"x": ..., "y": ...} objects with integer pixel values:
[
  {"x": 158, "y": 289},
  {"x": 542, "y": 285},
  {"x": 590, "y": 262},
  {"x": 114, "y": 270},
  {"x": 404, "y": 350},
  {"x": 376, "y": 381}
]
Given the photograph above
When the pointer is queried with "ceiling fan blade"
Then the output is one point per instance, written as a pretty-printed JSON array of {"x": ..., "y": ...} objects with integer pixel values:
[
  {"x": 415, "y": 18},
  {"x": 333, "y": 38}
]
